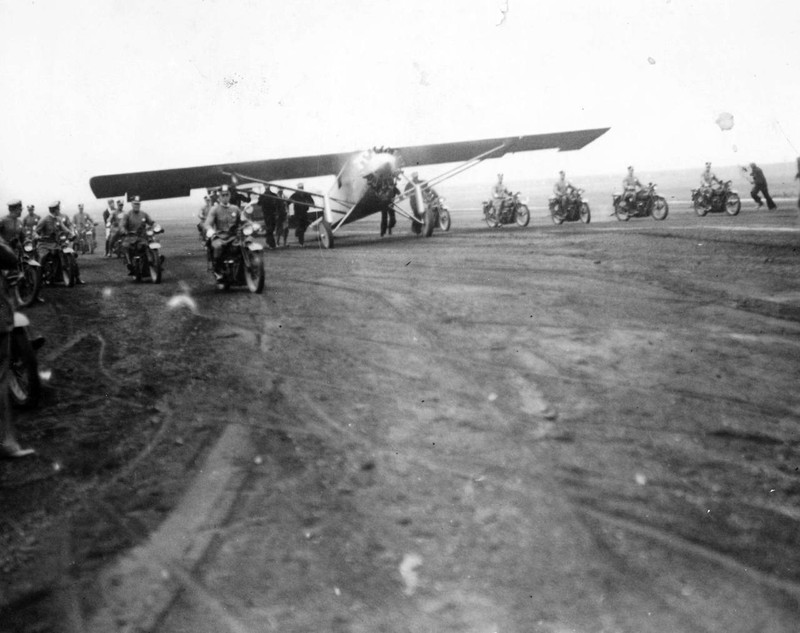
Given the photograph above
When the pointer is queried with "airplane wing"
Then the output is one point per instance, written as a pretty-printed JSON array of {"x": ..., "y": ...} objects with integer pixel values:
[{"x": 176, "y": 183}]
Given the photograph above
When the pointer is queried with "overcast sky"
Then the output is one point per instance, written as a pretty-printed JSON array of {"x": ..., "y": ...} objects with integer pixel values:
[{"x": 106, "y": 86}]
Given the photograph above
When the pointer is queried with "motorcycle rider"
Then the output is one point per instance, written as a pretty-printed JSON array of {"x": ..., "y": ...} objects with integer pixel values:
[
  {"x": 47, "y": 231},
  {"x": 632, "y": 189},
  {"x": 709, "y": 184},
  {"x": 561, "y": 190},
  {"x": 11, "y": 229},
  {"x": 9, "y": 446},
  {"x": 221, "y": 225},
  {"x": 81, "y": 221},
  {"x": 499, "y": 195},
  {"x": 132, "y": 228}
]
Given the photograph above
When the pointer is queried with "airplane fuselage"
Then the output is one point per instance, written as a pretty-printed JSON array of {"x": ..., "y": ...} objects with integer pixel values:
[{"x": 365, "y": 185}]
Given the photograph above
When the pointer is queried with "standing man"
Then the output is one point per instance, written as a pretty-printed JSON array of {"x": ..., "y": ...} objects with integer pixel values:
[
  {"x": 106, "y": 222},
  {"x": 760, "y": 186},
  {"x": 282, "y": 220},
  {"x": 114, "y": 220},
  {"x": 30, "y": 221},
  {"x": 9, "y": 446},
  {"x": 797, "y": 177},
  {"x": 268, "y": 201},
  {"x": 202, "y": 215},
  {"x": 301, "y": 200}
]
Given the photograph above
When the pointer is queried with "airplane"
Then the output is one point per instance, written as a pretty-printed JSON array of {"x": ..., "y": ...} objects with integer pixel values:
[{"x": 366, "y": 181}]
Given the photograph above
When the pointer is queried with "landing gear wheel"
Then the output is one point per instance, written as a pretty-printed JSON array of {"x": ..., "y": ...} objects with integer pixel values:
[
  {"x": 733, "y": 204},
  {"x": 427, "y": 223},
  {"x": 325, "y": 234},
  {"x": 586, "y": 214},
  {"x": 523, "y": 215},
  {"x": 254, "y": 272}
]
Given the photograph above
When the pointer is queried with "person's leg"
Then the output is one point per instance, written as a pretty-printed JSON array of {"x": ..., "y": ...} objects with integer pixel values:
[
  {"x": 754, "y": 193},
  {"x": 770, "y": 202}
]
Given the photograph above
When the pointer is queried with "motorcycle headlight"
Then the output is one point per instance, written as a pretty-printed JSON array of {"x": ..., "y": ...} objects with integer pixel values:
[
  {"x": 150, "y": 233},
  {"x": 248, "y": 230},
  {"x": 28, "y": 247}
]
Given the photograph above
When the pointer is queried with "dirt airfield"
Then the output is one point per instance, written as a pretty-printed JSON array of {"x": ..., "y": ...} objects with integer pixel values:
[{"x": 549, "y": 429}]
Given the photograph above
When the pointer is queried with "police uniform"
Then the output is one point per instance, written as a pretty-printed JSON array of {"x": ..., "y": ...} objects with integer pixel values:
[
  {"x": 223, "y": 219},
  {"x": 11, "y": 229},
  {"x": 132, "y": 227}
]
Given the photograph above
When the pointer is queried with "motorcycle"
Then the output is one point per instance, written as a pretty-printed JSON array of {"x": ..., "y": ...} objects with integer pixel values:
[
  {"x": 147, "y": 259},
  {"x": 24, "y": 385},
  {"x": 243, "y": 263},
  {"x": 26, "y": 279},
  {"x": 645, "y": 203},
  {"x": 575, "y": 207},
  {"x": 85, "y": 242},
  {"x": 717, "y": 200},
  {"x": 441, "y": 214},
  {"x": 512, "y": 209},
  {"x": 59, "y": 264}
]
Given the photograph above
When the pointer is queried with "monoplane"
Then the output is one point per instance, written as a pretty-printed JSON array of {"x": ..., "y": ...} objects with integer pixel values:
[{"x": 366, "y": 181}]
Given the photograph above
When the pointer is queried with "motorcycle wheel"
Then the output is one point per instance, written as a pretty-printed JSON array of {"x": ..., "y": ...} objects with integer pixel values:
[
  {"x": 254, "y": 272},
  {"x": 558, "y": 218},
  {"x": 733, "y": 204},
  {"x": 325, "y": 234},
  {"x": 154, "y": 264},
  {"x": 660, "y": 208},
  {"x": 24, "y": 385},
  {"x": 586, "y": 214},
  {"x": 28, "y": 286},
  {"x": 699, "y": 208},
  {"x": 67, "y": 272},
  {"x": 138, "y": 269},
  {"x": 622, "y": 214},
  {"x": 444, "y": 219},
  {"x": 523, "y": 215}
]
